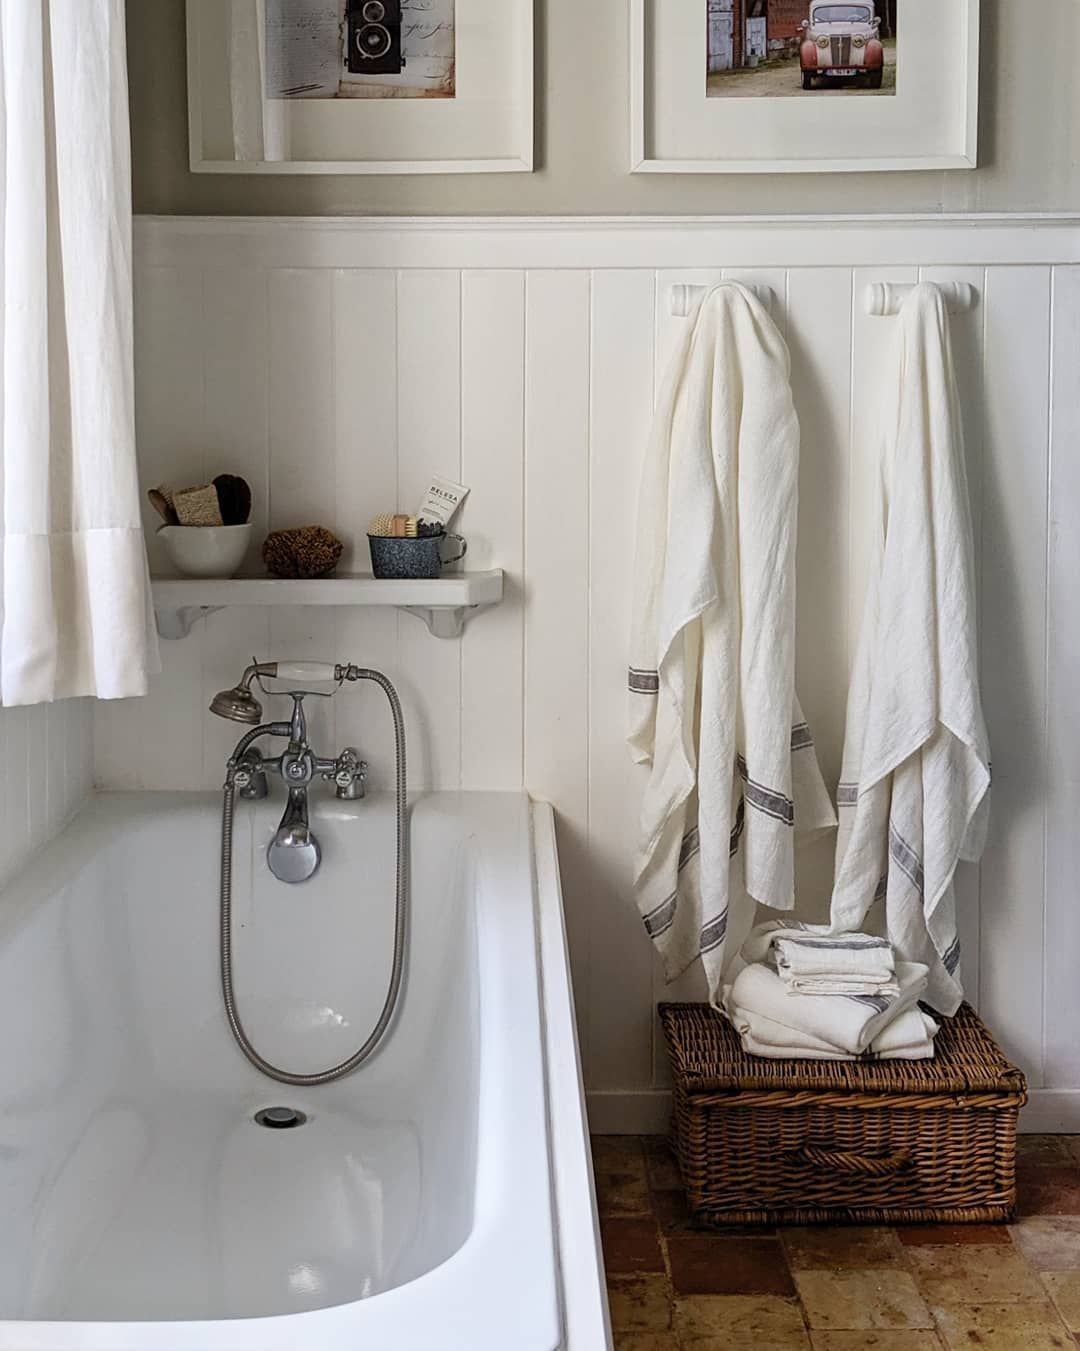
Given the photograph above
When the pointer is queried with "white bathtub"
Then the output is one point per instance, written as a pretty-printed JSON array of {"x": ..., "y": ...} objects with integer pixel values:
[{"x": 418, "y": 1209}]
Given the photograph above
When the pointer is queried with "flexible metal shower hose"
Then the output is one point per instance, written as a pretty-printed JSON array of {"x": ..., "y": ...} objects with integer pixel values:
[{"x": 400, "y": 918}]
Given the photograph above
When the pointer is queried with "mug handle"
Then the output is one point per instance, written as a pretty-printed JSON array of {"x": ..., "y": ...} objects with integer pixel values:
[{"x": 457, "y": 557}]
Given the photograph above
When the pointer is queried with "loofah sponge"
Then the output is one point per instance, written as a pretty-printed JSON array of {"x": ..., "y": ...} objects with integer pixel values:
[{"x": 307, "y": 551}]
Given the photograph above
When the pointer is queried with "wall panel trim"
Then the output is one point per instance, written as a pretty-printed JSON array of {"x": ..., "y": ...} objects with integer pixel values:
[{"x": 603, "y": 242}]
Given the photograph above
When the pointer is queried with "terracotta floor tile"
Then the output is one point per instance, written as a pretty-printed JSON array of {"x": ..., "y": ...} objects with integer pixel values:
[
  {"x": 708, "y": 1264},
  {"x": 861, "y": 1300},
  {"x": 748, "y": 1341},
  {"x": 619, "y": 1168},
  {"x": 921, "y": 1340},
  {"x": 671, "y": 1211},
  {"x": 631, "y": 1244},
  {"x": 1045, "y": 1149},
  {"x": 660, "y": 1162},
  {"x": 1050, "y": 1243},
  {"x": 1064, "y": 1289},
  {"x": 646, "y": 1341},
  {"x": 767, "y": 1317},
  {"x": 929, "y": 1235},
  {"x": 813, "y": 1249},
  {"x": 973, "y": 1275},
  {"x": 1048, "y": 1189},
  {"x": 1002, "y": 1327},
  {"x": 639, "y": 1303}
]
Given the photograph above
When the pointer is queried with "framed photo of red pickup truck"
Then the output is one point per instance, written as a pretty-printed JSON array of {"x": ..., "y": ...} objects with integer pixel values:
[{"x": 803, "y": 86}]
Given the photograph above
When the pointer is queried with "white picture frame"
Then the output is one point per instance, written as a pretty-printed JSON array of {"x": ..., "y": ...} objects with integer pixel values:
[
  {"x": 923, "y": 131},
  {"x": 461, "y": 135}
]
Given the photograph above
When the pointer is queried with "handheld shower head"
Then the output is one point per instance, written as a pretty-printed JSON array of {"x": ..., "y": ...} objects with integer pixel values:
[{"x": 239, "y": 704}]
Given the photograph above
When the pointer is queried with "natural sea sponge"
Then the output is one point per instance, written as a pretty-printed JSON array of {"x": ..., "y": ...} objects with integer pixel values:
[{"x": 306, "y": 551}]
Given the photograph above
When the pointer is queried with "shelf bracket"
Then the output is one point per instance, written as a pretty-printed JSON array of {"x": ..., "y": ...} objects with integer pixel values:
[
  {"x": 173, "y": 624},
  {"x": 443, "y": 621}
]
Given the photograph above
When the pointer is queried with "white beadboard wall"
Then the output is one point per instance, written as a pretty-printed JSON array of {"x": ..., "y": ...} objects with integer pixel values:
[
  {"x": 46, "y": 754},
  {"x": 337, "y": 363}
]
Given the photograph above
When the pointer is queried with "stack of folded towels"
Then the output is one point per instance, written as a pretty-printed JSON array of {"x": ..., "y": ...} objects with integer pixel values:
[{"x": 809, "y": 993}]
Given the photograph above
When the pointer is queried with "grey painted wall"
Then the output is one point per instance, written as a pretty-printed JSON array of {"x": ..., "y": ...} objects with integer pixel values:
[{"x": 1030, "y": 131}]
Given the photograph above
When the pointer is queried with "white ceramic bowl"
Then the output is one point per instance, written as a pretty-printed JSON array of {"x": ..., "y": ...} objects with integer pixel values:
[{"x": 206, "y": 550}]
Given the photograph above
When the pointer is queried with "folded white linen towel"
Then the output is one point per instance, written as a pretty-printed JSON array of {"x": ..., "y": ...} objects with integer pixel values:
[
  {"x": 915, "y": 782},
  {"x": 908, "y": 1037},
  {"x": 811, "y": 959},
  {"x": 713, "y": 709},
  {"x": 849, "y": 1023}
]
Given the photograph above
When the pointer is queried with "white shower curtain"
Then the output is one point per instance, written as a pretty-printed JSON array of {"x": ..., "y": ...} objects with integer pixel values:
[{"x": 77, "y": 611}]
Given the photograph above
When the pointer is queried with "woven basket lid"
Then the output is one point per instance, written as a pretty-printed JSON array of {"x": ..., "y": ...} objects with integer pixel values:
[{"x": 707, "y": 1057}]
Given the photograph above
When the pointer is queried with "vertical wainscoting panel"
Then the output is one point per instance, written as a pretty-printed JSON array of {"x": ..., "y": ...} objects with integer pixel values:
[
  {"x": 302, "y": 458},
  {"x": 366, "y": 416},
  {"x": 168, "y": 386},
  {"x": 47, "y": 757},
  {"x": 967, "y": 342},
  {"x": 557, "y": 557},
  {"x": 303, "y": 454},
  {"x": 1013, "y": 655},
  {"x": 617, "y": 998},
  {"x": 492, "y": 459},
  {"x": 1062, "y": 945},
  {"x": 429, "y": 442},
  {"x": 236, "y": 415}
]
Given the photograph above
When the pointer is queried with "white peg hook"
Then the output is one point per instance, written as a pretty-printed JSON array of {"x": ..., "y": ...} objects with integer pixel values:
[
  {"x": 685, "y": 297},
  {"x": 886, "y": 298},
  {"x": 883, "y": 298}
]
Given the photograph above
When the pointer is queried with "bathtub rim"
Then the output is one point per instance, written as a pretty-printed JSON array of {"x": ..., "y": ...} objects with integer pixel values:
[{"x": 570, "y": 1210}]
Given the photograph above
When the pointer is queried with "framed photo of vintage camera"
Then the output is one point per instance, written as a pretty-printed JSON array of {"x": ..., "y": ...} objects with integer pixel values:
[
  {"x": 803, "y": 86},
  {"x": 360, "y": 86}
]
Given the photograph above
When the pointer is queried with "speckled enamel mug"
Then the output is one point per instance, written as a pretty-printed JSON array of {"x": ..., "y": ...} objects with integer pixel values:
[{"x": 411, "y": 558}]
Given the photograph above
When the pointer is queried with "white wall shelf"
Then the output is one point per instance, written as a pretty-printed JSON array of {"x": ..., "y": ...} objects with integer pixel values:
[{"x": 443, "y": 603}]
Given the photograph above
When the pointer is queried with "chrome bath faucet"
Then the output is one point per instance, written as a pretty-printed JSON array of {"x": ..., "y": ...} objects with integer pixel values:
[{"x": 294, "y": 853}]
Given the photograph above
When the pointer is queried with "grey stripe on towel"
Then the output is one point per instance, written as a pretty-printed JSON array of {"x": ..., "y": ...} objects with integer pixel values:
[
  {"x": 691, "y": 845},
  {"x": 644, "y": 682},
  {"x": 839, "y": 943},
  {"x": 766, "y": 800},
  {"x": 801, "y": 739},
  {"x": 661, "y": 919},
  {"x": 713, "y": 933},
  {"x": 872, "y": 1001},
  {"x": 905, "y": 858},
  {"x": 847, "y": 794},
  {"x": 951, "y": 959},
  {"x": 737, "y": 828}
]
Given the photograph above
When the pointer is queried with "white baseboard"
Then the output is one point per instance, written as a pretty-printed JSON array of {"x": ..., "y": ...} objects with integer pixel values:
[{"x": 1050, "y": 1111}]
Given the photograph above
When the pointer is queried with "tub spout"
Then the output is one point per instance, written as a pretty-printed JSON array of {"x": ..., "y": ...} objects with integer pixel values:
[{"x": 294, "y": 854}]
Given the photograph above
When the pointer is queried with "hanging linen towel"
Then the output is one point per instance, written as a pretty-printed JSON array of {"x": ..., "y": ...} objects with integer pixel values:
[
  {"x": 914, "y": 788},
  {"x": 847, "y": 1023},
  {"x": 811, "y": 959},
  {"x": 712, "y": 689}
]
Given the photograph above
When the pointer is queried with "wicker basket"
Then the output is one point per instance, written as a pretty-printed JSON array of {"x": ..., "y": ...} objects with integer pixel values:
[{"x": 859, "y": 1142}]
